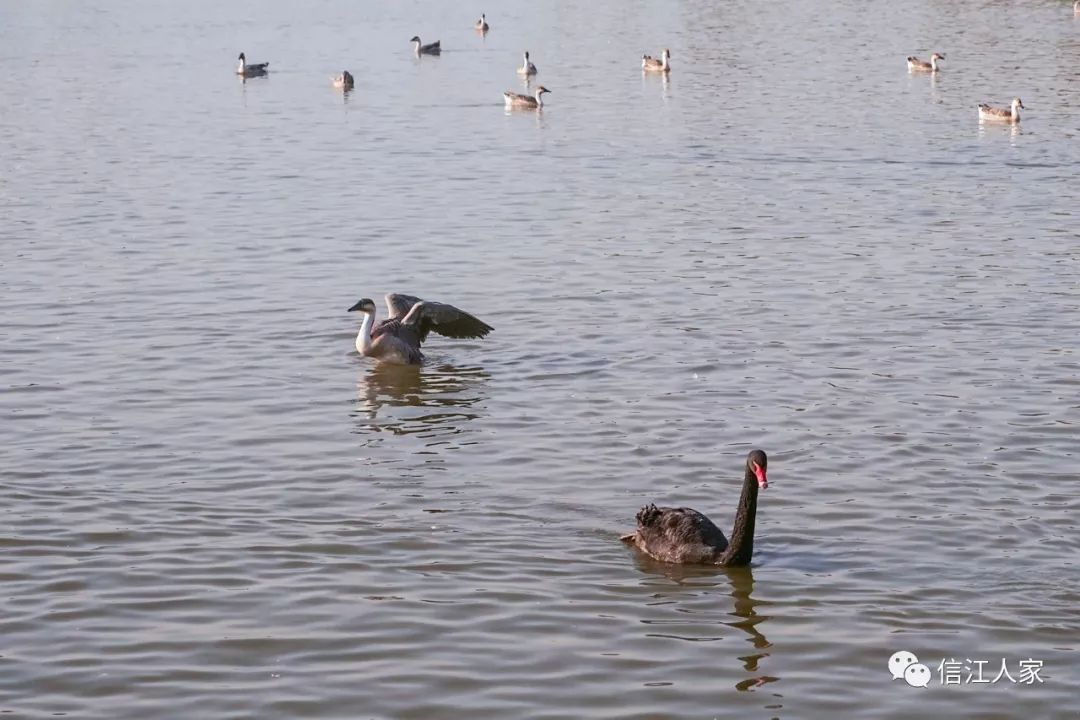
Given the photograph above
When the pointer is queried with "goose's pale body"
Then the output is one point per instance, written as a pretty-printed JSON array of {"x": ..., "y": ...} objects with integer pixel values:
[
  {"x": 1010, "y": 114},
  {"x": 527, "y": 68},
  {"x": 526, "y": 102},
  {"x": 914, "y": 64},
  {"x": 397, "y": 339},
  {"x": 651, "y": 64},
  {"x": 344, "y": 81}
]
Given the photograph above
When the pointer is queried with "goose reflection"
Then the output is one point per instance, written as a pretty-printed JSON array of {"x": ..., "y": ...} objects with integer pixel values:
[
  {"x": 744, "y": 609},
  {"x": 437, "y": 400},
  {"x": 650, "y": 79},
  {"x": 986, "y": 130}
]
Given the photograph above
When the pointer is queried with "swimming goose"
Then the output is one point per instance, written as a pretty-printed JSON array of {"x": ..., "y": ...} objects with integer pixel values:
[
  {"x": 250, "y": 70},
  {"x": 397, "y": 339},
  {"x": 993, "y": 114},
  {"x": 527, "y": 68},
  {"x": 344, "y": 81},
  {"x": 482, "y": 24},
  {"x": 430, "y": 49},
  {"x": 914, "y": 64},
  {"x": 530, "y": 102},
  {"x": 651, "y": 64}
]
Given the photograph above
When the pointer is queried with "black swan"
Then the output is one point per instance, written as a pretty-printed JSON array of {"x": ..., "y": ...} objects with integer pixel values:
[{"x": 682, "y": 535}]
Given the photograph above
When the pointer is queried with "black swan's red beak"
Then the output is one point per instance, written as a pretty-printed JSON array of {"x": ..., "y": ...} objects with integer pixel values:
[{"x": 762, "y": 480}]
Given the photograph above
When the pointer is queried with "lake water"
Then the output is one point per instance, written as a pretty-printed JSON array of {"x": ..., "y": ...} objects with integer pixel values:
[{"x": 213, "y": 507}]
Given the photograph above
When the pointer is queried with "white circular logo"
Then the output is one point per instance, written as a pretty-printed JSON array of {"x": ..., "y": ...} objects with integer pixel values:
[
  {"x": 899, "y": 662},
  {"x": 917, "y": 675}
]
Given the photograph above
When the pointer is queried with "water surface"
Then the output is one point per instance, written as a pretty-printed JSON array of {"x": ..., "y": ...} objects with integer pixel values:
[{"x": 212, "y": 502}]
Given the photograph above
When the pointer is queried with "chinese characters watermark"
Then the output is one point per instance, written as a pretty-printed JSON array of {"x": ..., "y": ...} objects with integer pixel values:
[{"x": 903, "y": 665}]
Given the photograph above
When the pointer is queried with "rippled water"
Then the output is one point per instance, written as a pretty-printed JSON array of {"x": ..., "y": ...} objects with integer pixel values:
[{"x": 214, "y": 508}]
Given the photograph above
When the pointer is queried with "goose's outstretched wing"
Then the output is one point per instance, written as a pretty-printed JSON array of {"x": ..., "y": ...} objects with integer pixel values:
[
  {"x": 399, "y": 305},
  {"x": 426, "y": 316}
]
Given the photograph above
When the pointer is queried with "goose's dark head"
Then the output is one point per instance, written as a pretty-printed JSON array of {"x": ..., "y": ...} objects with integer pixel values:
[
  {"x": 540, "y": 90},
  {"x": 241, "y": 57},
  {"x": 757, "y": 463},
  {"x": 366, "y": 305},
  {"x": 415, "y": 38}
]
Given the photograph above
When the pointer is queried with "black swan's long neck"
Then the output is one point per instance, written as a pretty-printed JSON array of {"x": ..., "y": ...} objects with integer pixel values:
[{"x": 741, "y": 548}]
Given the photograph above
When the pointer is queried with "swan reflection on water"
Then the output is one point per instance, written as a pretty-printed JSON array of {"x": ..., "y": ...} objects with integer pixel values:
[
  {"x": 744, "y": 611},
  {"x": 988, "y": 130},
  {"x": 433, "y": 400},
  {"x": 651, "y": 79}
]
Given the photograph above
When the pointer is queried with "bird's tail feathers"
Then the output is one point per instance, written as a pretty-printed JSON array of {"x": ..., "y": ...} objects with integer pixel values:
[{"x": 647, "y": 515}]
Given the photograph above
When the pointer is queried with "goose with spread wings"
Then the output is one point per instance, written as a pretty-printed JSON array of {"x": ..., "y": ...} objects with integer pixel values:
[{"x": 397, "y": 339}]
